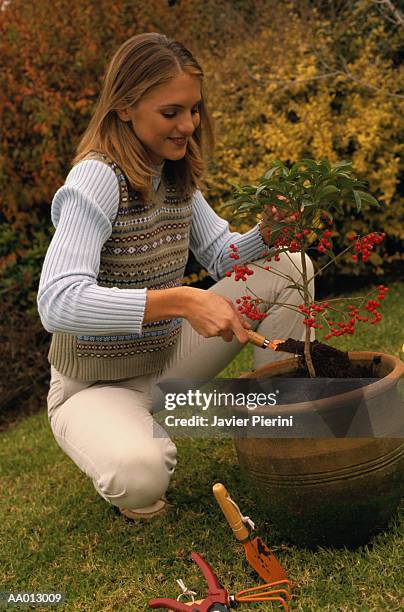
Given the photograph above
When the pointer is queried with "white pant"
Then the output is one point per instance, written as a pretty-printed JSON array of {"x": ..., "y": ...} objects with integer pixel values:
[{"x": 106, "y": 427}]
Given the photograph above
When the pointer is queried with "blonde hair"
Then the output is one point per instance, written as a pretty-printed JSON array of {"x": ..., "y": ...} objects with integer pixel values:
[{"x": 141, "y": 64}]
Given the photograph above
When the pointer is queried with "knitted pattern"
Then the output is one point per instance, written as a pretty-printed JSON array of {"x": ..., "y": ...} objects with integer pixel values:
[{"x": 148, "y": 247}]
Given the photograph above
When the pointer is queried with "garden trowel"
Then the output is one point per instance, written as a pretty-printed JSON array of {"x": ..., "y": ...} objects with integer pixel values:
[{"x": 259, "y": 556}]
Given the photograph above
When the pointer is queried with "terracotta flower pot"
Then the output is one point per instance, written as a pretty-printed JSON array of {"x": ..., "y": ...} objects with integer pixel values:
[{"x": 330, "y": 491}]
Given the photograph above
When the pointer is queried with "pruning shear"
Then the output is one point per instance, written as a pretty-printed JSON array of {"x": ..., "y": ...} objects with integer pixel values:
[{"x": 216, "y": 601}]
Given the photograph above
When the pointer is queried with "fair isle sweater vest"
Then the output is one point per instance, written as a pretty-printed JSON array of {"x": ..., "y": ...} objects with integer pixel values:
[{"x": 148, "y": 247}]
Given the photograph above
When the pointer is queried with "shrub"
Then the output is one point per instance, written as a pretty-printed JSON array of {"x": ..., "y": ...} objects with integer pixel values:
[{"x": 290, "y": 97}]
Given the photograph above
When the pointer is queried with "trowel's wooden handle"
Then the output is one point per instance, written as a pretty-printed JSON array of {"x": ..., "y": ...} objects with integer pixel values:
[
  {"x": 257, "y": 339},
  {"x": 231, "y": 513},
  {"x": 261, "y": 341}
]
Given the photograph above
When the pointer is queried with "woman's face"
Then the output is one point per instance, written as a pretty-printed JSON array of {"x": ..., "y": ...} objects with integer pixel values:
[{"x": 166, "y": 118}]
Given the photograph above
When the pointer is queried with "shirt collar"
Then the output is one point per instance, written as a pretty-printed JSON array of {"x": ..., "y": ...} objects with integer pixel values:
[{"x": 157, "y": 171}]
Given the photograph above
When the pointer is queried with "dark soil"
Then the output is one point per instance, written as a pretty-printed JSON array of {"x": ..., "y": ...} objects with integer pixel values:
[{"x": 328, "y": 361}]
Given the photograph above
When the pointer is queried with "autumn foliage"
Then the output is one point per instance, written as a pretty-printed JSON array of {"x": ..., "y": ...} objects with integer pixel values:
[{"x": 309, "y": 87}]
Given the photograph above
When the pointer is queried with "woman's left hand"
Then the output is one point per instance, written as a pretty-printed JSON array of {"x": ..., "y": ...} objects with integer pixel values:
[{"x": 271, "y": 215}]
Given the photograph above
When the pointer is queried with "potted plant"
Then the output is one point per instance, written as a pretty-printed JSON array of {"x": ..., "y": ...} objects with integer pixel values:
[{"x": 340, "y": 487}]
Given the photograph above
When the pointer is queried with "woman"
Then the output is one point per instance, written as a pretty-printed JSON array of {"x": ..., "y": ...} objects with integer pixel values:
[{"x": 110, "y": 289}]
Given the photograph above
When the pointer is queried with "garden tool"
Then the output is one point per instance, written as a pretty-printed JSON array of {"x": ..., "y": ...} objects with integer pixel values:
[
  {"x": 264, "y": 592},
  {"x": 262, "y": 341},
  {"x": 218, "y": 599},
  {"x": 259, "y": 556}
]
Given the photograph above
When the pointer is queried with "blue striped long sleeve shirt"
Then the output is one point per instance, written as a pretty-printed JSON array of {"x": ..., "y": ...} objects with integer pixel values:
[{"x": 83, "y": 211}]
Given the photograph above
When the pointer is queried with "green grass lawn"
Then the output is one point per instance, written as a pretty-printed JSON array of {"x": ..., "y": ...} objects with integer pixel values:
[{"x": 57, "y": 534}]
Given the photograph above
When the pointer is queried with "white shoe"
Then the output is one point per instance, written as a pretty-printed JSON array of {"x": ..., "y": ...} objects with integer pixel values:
[{"x": 147, "y": 512}]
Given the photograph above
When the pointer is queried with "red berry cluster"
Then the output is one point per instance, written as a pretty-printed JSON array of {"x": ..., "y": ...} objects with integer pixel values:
[
  {"x": 285, "y": 240},
  {"x": 276, "y": 258},
  {"x": 295, "y": 241},
  {"x": 345, "y": 327},
  {"x": 373, "y": 305},
  {"x": 365, "y": 244},
  {"x": 241, "y": 271},
  {"x": 234, "y": 252},
  {"x": 350, "y": 317},
  {"x": 250, "y": 307},
  {"x": 348, "y": 327},
  {"x": 324, "y": 243},
  {"x": 311, "y": 312}
]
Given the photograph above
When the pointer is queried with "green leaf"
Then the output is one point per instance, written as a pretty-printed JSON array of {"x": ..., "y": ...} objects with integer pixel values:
[
  {"x": 347, "y": 175},
  {"x": 270, "y": 173},
  {"x": 297, "y": 285},
  {"x": 325, "y": 167},
  {"x": 368, "y": 198},
  {"x": 306, "y": 174},
  {"x": 247, "y": 206},
  {"x": 284, "y": 171},
  {"x": 310, "y": 163},
  {"x": 342, "y": 164},
  {"x": 344, "y": 181},
  {"x": 357, "y": 200},
  {"x": 328, "y": 190},
  {"x": 260, "y": 189},
  {"x": 282, "y": 204},
  {"x": 235, "y": 185}
]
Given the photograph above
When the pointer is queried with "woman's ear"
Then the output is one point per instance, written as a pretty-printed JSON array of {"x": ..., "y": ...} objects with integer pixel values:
[{"x": 123, "y": 114}]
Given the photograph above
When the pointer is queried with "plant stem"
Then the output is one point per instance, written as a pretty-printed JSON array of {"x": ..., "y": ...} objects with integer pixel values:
[
  {"x": 291, "y": 307},
  {"x": 330, "y": 262},
  {"x": 287, "y": 276},
  {"x": 299, "y": 287},
  {"x": 307, "y": 354}
]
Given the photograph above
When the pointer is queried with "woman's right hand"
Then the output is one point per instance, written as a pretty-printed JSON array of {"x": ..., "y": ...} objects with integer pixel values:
[{"x": 212, "y": 315}]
